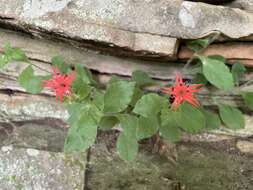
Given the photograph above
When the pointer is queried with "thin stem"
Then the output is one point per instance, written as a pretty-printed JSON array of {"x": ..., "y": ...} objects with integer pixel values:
[
  {"x": 39, "y": 67},
  {"x": 215, "y": 37}
]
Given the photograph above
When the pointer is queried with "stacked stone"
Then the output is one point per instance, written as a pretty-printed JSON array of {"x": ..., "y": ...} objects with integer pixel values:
[{"x": 109, "y": 37}]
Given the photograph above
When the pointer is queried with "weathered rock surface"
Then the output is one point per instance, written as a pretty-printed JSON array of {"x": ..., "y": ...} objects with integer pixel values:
[
  {"x": 140, "y": 26},
  {"x": 31, "y": 169},
  {"x": 236, "y": 50},
  {"x": 199, "y": 166},
  {"x": 243, "y": 4},
  {"x": 44, "y": 134},
  {"x": 168, "y": 18}
]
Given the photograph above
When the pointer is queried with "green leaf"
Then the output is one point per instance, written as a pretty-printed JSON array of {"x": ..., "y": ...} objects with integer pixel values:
[
  {"x": 98, "y": 99},
  {"x": 114, "y": 78},
  {"x": 248, "y": 99},
  {"x": 19, "y": 55},
  {"x": 127, "y": 147},
  {"x": 84, "y": 120},
  {"x": 217, "y": 73},
  {"x": 81, "y": 135},
  {"x": 169, "y": 128},
  {"x": 147, "y": 127},
  {"x": 129, "y": 124},
  {"x": 118, "y": 96},
  {"x": 141, "y": 78},
  {"x": 127, "y": 144},
  {"x": 32, "y": 83},
  {"x": 137, "y": 95},
  {"x": 76, "y": 109},
  {"x": 3, "y": 60},
  {"x": 58, "y": 62},
  {"x": 238, "y": 71},
  {"x": 73, "y": 110},
  {"x": 196, "y": 68},
  {"x": 199, "y": 79},
  {"x": 108, "y": 122},
  {"x": 15, "y": 53},
  {"x": 85, "y": 75},
  {"x": 218, "y": 57},
  {"x": 197, "y": 45},
  {"x": 190, "y": 119},
  {"x": 231, "y": 117},
  {"x": 80, "y": 88},
  {"x": 149, "y": 105},
  {"x": 212, "y": 120}
]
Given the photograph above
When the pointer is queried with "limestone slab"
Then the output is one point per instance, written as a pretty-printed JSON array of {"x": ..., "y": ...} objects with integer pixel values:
[{"x": 100, "y": 19}]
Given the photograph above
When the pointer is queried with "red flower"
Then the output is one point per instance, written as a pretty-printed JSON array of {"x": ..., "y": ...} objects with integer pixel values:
[
  {"x": 181, "y": 93},
  {"x": 60, "y": 83}
]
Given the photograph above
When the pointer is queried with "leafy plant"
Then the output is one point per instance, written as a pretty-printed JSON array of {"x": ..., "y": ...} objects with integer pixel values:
[{"x": 125, "y": 103}]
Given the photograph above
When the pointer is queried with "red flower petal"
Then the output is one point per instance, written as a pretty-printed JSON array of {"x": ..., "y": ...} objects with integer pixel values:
[
  {"x": 182, "y": 92},
  {"x": 60, "y": 83}
]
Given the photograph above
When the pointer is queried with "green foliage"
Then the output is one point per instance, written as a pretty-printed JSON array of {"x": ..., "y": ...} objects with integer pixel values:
[
  {"x": 127, "y": 144},
  {"x": 98, "y": 99},
  {"x": 199, "y": 79},
  {"x": 118, "y": 96},
  {"x": 85, "y": 75},
  {"x": 217, "y": 73},
  {"x": 127, "y": 147},
  {"x": 147, "y": 127},
  {"x": 190, "y": 119},
  {"x": 108, "y": 122},
  {"x": 231, "y": 117},
  {"x": 139, "y": 113},
  {"x": 15, "y": 54},
  {"x": 12, "y": 54},
  {"x": 212, "y": 120},
  {"x": 32, "y": 83},
  {"x": 169, "y": 128},
  {"x": 149, "y": 105},
  {"x": 81, "y": 86},
  {"x": 3, "y": 60},
  {"x": 197, "y": 45},
  {"x": 141, "y": 78},
  {"x": 84, "y": 119},
  {"x": 238, "y": 71},
  {"x": 138, "y": 93},
  {"x": 58, "y": 62},
  {"x": 248, "y": 99}
]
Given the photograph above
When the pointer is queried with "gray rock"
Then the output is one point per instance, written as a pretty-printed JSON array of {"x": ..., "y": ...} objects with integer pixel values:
[
  {"x": 111, "y": 20},
  {"x": 31, "y": 169},
  {"x": 45, "y": 134},
  {"x": 66, "y": 17},
  {"x": 199, "y": 166},
  {"x": 243, "y": 4}
]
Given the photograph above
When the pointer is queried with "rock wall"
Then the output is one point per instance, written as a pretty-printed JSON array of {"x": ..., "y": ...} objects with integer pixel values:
[{"x": 111, "y": 37}]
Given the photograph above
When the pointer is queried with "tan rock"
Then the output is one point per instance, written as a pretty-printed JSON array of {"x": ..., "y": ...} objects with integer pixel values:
[
  {"x": 238, "y": 50},
  {"x": 233, "y": 52},
  {"x": 245, "y": 146}
]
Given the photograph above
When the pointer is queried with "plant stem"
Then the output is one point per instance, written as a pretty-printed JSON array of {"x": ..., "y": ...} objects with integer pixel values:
[{"x": 215, "y": 37}]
